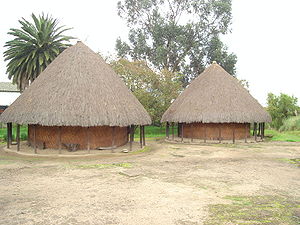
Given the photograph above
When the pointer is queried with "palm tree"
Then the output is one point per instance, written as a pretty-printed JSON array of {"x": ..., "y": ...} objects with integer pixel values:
[{"x": 33, "y": 48}]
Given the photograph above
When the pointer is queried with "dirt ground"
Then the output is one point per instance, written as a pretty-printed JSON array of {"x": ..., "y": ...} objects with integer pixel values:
[{"x": 165, "y": 184}]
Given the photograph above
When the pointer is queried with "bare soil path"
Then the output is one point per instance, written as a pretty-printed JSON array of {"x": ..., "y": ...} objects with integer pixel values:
[{"x": 171, "y": 184}]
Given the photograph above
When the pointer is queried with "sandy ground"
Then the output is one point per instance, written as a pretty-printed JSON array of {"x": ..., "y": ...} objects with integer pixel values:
[{"x": 171, "y": 184}]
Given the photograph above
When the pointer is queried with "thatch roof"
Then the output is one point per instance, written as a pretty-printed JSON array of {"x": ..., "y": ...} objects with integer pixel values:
[
  {"x": 8, "y": 87},
  {"x": 215, "y": 97},
  {"x": 77, "y": 89}
]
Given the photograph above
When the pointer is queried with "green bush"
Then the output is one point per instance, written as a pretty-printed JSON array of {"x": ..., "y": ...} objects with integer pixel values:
[{"x": 292, "y": 123}]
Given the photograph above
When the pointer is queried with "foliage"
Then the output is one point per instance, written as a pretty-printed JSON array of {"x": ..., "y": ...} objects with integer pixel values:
[
  {"x": 154, "y": 90},
  {"x": 292, "y": 123},
  {"x": 23, "y": 133},
  {"x": 281, "y": 107},
  {"x": 177, "y": 35},
  {"x": 34, "y": 47}
]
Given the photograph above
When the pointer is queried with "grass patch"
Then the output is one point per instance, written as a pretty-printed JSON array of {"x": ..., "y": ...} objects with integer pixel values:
[
  {"x": 255, "y": 210},
  {"x": 295, "y": 161},
  {"x": 290, "y": 136},
  {"x": 103, "y": 166},
  {"x": 143, "y": 150}
]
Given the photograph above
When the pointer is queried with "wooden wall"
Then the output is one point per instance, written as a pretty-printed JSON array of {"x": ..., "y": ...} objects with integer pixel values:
[
  {"x": 101, "y": 136},
  {"x": 198, "y": 130}
]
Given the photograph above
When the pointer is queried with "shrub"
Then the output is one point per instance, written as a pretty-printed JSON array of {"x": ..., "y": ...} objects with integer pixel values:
[{"x": 292, "y": 123}]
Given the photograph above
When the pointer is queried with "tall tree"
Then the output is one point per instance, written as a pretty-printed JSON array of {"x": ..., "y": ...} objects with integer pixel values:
[
  {"x": 34, "y": 46},
  {"x": 177, "y": 35},
  {"x": 154, "y": 90}
]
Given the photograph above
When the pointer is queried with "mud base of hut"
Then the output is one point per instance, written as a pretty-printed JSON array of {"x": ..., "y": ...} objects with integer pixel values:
[
  {"x": 202, "y": 141},
  {"x": 64, "y": 137},
  {"x": 27, "y": 150}
]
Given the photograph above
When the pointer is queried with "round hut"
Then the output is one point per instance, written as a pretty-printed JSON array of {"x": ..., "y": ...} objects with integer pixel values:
[
  {"x": 215, "y": 106},
  {"x": 77, "y": 100}
]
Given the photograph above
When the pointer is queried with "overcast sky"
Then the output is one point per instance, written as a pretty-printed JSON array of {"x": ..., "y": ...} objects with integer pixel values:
[{"x": 265, "y": 36}]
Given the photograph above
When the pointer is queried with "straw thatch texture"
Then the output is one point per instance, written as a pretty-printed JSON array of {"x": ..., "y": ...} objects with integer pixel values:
[
  {"x": 77, "y": 89},
  {"x": 215, "y": 97}
]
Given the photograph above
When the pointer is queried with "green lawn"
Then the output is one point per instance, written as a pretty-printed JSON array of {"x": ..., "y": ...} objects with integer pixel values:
[
  {"x": 292, "y": 136},
  {"x": 156, "y": 132}
]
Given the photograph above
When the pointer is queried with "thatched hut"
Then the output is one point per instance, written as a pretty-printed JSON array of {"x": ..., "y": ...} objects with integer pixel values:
[
  {"x": 78, "y": 99},
  {"x": 215, "y": 106}
]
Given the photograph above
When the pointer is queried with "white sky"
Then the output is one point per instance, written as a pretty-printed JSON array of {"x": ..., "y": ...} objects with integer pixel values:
[{"x": 265, "y": 36}]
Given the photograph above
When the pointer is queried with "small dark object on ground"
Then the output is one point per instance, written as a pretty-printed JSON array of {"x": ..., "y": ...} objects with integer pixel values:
[{"x": 71, "y": 147}]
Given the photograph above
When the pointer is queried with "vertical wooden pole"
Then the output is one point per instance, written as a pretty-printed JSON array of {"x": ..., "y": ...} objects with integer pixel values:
[
  {"x": 7, "y": 135},
  {"x": 255, "y": 131},
  {"x": 173, "y": 135},
  {"x": 59, "y": 139},
  {"x": 220, "y": 133},
  {"x": 192, "y": 131},
  {"x": 262, "y": 135},
  {"x": 141, "y": 136},
  {"x": 263, "y": 130},
  {"x": 181, "y": 132},
  {"x": 144, "y": 139},
  {"x": 246, "y": 132},
  {"x": 233, "y": 134},
  {"x": 88, "y": 140},
  {"x": 18, "y": 137},
  {"x": 131, "y": 137},
  {"x": 113, "y": 134},
  {"x": 259, "y": 130},
  {"x": 167, "y": 130},
  {"x": 133, "y": 129},
  {"x": 10, "y": 133},
  {"x": 34, "y": 138},
  {"x": 204, "y": 124}
]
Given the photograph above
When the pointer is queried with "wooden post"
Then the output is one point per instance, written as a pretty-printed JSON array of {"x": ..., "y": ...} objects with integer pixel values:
[
  {"x": 204, "y": 124},
  {"x": 141, "y": 136},
  {"x": 259, "y": 130},
  {"x": 167, "y": 130},
  {"x": 255, "y": 131},
  {"x": 7, "y": 135},
  {"x": 18, "y": 137},
  {"x": 10, "y": 130},
  {"x": 262, "y": 131},
  {"x": 173, "y": 135},
  {"x": 34, "y": 138},
  {"x": 88, "y": 140},
  {"x": 192, "y": 131},
  {"x": 133, "y": 129},
  {"x": 219, "y": 133},
  {"x": 246, "y": 132},
  {"x": 181, "y": 132},
  {"x": 59, "y": 139},
  {"x": 233, "y": 134},
  {"x": 113, "y": 138},
  {"x": 131, "y": 137},
  {"x": 144, "y": 139}
]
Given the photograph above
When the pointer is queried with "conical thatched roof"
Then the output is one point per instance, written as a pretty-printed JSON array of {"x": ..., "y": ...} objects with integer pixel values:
[
  {"x": 77, "y": 89},
  {"x": 215, "y": 97}
]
